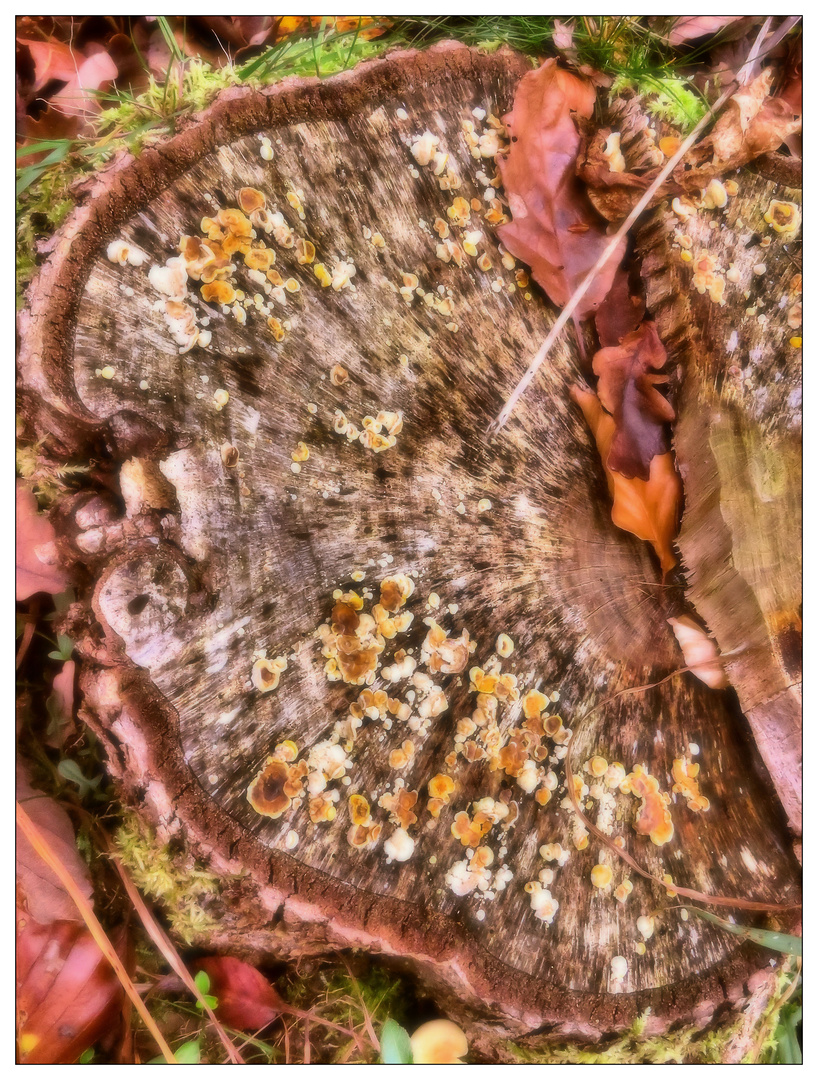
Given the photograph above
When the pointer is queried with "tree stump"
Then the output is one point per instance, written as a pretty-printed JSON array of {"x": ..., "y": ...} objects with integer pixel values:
[{"x": 214, "y": 542}]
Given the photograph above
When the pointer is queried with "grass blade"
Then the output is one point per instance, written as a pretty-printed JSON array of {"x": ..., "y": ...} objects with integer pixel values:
[
  {"x": 769, "y": 939},
  {"x": 165, "y": 946}
]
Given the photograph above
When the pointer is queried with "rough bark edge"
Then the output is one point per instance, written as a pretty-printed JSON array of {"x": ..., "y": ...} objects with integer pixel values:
[
  {"x": 775, "y": 722},
  {"x": 139, "y": 728},
  {"x": 50, "y": 399},
  {"x": 315, "y": 913}
]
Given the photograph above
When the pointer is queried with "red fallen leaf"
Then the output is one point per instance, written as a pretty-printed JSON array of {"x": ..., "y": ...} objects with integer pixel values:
[
  {"x": 67, "y": 993},
  {"x": 39, "y": 887},
  {"x": 690, "y": 27},
  {"x": 545, "y": 197},
  {"x": 247, "y": 1001},
  {"x": 619, "y": 313},
  {"x": 37, "y": 569},
  {"x": 648, "y": 509},
  {"x": 627, "y": 389}
]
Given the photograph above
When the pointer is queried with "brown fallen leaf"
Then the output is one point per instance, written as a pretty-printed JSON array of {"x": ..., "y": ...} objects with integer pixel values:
[
  {"x": 628, "y": 377},
  {"x": 60, "y": 705},
  {"x": 546, "y": 200},
  {"x": 620, "y": 312},
  {"x": 68, "y": 996},
  {"x": 647, "y": 508},
  {"x": 52, "y": 59},
  {"x": 700, "y": 651},
  {"x": 691, "y": 27},
  {"x": 247, "y": 1001},
  {"x": 40, "y": 889},
  {"x": 753, "y": 123},
  {"x": 37, "y": 568}
]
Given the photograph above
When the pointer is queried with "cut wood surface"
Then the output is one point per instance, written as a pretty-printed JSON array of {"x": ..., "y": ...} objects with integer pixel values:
[{"x": 190, "y": 565}]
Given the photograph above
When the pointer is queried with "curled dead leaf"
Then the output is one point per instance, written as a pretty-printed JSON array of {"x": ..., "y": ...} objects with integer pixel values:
[
  {"x": 752, "y": 123},
  {"x": 691, "y": 27},
  {"x": 544, "y": 195},
  {"x": 647, "y": 508},
  {"x": 628, "y": 377},
  {"x": 700, "y": 651}
]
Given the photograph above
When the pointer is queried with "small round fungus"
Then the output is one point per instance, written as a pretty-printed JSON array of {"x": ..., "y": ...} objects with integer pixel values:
[
  {"x": 619, "y": 968},
  {"x": 504, "y": 646},
  {"x": 399, "y": 846},
  {"x": 601, "y": 876},
  {"x": 439, "y": 1042}
]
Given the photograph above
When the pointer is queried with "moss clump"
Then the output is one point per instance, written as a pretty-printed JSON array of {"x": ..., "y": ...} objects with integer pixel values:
[
  {"x": 777, "y": 1027},
  {"x": 665, "y": 97},
  {"x": 689, "y": 1046},
  {"x": 185, "y": 889}
]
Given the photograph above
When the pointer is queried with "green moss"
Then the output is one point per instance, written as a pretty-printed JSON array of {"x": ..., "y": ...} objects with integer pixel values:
[
  {"x": 778, "y": 1034},
  {"x": 686, "y": 1046},
  {"x": 665, "y": 97},
  {"x": 185, "y": 889},
  {"x": 370, "y": 995}
]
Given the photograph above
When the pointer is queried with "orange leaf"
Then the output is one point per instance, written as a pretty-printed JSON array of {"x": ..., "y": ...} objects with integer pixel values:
[{"x": 647, "y": 508}]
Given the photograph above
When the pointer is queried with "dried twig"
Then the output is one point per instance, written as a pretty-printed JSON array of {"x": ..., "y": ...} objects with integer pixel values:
[
  {"x": 168, "y": 950},
  {"x": 367, "y": 1018},
  {"x": 44, "y": 850},
  {"x": 621, "y": 232}
]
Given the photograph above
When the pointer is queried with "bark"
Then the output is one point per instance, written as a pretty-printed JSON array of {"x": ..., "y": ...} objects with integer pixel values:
[
  {"x": 738, "y": 446},
  {"x": 188, "y": 566}
]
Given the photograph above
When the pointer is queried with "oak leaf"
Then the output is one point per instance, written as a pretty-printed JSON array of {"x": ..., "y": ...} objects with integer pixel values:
[
  {"x": 620, "y": 312},
  {"x": 628, "y": 377},
  {"x": 546, "y": 200},
  {"x": 647, "y": 508}
]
